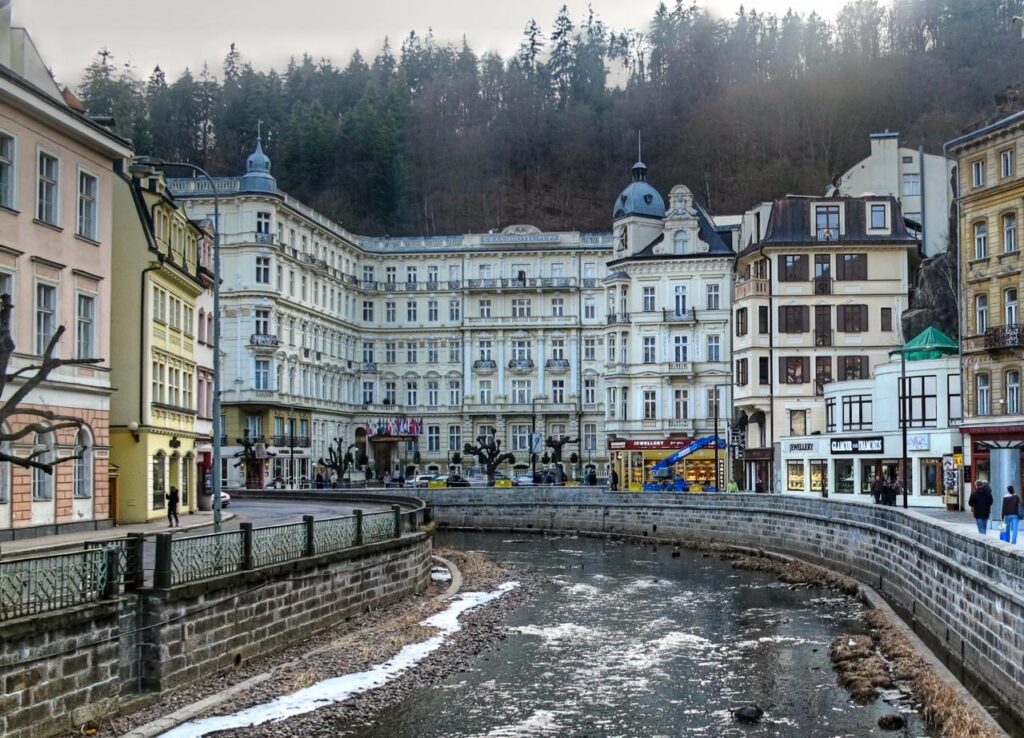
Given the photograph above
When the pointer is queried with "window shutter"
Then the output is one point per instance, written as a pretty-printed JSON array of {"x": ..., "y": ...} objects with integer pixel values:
[
  {"x": 806, "y": 360},
  {"x": 863, "y": 367},
  {"x": 841, "y": 318},
  {"x": 805, "y": 318},
  {"x": 864, "y": 318},
  {"x": 783, "y": 325},
  {"x": 783, "y": 378},
  {"x": 804, "y": 273},
  {"x": 840, "y": 267}
]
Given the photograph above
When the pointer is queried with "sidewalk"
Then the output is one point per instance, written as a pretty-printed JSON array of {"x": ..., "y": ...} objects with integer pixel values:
[{"x": 72, "y": 541}]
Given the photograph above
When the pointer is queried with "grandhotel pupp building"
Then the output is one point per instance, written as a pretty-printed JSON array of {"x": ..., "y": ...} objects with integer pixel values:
[{"x": 330, "y": 335}]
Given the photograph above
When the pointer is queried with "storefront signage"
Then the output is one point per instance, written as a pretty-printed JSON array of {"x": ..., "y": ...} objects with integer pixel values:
[
  {"x": 391, "y": 438},
  {"x": 394, "y": 426},
  {"x": 810, "y": 446},
  {"x": 500, "y": 238},
  {"x": 918, "y": 442},
  {"x": 869, "y": 445},
  {"x": 641, "y": 444}
]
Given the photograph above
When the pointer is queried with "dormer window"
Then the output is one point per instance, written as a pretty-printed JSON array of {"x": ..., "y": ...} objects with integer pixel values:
[
  {"x": 826, "y": 222},
  {"x": 681, "y": 242},
  {"x": 877, "y": 215}
]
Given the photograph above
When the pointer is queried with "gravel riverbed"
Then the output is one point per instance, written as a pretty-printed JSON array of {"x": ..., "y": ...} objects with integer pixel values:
[{"x": 353, "y": 646}]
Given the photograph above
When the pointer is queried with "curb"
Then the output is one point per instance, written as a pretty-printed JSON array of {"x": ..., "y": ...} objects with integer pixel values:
[{"x": 77, "y": 545}]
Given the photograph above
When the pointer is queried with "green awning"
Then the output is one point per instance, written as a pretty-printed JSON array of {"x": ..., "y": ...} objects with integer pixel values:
[{"x": 931, "y": 343}]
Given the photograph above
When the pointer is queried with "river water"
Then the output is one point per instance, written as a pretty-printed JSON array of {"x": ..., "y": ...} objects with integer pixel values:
[{"x": 628, "y": 641}]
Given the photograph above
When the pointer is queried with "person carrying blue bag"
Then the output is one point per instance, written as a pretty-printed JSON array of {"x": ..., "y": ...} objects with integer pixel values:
[{"x": 1011, "y": 515}]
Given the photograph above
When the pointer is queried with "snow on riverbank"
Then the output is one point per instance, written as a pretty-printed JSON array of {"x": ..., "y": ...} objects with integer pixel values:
[{"x": 338, "y": 689}]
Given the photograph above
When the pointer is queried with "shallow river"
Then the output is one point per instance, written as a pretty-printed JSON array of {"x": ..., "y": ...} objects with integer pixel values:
[{"x": 628, "y": 641}]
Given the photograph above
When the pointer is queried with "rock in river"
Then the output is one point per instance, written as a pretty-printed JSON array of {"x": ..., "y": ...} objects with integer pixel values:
[{"x": 748, "y": 714}]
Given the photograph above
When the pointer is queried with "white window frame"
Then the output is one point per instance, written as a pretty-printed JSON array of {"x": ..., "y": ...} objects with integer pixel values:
[
  {"x": 979, "y": 236},
  {"x": 35, "y": 311},
  {"x": 93, "y": 325},
  {"x": 95, "y": 235},
  {"x": 1009, "y": 233},
  {"x": 977, "y": 174},
  {"x": 12, "y": 203},
  {"x": 869, "y": 209},
  {"x": 1007, "y": 156},
  {"x": 40, "y": 153}
]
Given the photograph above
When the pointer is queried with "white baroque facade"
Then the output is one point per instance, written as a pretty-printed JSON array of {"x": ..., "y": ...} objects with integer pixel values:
[
  {"x": 435, "y": 341},
  {"x": 667, "y": 369}
]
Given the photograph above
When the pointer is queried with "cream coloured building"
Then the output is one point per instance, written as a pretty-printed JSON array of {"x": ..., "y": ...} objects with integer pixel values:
[
  {"x": 667, "y": 373},
  {"x": 405, "y": 347},
  {"x": 818, "y": 298}
]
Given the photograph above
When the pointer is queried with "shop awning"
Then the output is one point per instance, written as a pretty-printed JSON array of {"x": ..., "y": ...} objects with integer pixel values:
[
  {"x": 687, "y": 450},
  {"x": 931, "y": 343}
]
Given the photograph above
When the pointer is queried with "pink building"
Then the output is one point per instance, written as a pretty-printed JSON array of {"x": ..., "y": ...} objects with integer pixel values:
[{"x": 56, "y": 169}]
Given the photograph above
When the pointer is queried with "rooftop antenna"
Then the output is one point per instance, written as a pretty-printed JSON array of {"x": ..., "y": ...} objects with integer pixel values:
[
  {"x": 639, "y": 140},
  {"x": 259, "y": 129}
]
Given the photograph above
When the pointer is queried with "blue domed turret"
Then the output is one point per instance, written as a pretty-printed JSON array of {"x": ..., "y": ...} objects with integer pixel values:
[
  {"x": 639, "y": 198},
  {"x": 257, "y": 177}
]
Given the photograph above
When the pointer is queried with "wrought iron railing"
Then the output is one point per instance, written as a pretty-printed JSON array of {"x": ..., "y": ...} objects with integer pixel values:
[
  {"x": 614, "y": 318},
  {"x": 202, "y": 557},
  {"x": 334, "y": 534},
  {"x": 557, "y": 364},
  {"x": 679, "y": 316},
  {"x": 379, "y": 527},
  {"x": 521, "y": 364},
  {"x": 44, "y": 583},
  {"x": 287, "y": 441},
  {"x": 485, "y": 364},
  {"x": 276, "y": 544},
  {"x": 1005, "y": 336}
]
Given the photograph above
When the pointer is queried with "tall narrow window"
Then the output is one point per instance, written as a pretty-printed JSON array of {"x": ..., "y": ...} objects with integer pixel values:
[
  {"x": 82, "y": 471},
  {"x": 714, "y": 348},
  {"x": 980, "y": 241},
  {"x": 1013, "y": 392},
  {"x": 714, "y": 297},
  {"x": 978, "y": 173},
  {"x": 981, "y": 313},
  {"x": 1010, "y": 306},
  {"x": 42, "y": 482},
  {"x": 85, "y": 327},
  {"x": 649, "y": 298},
  {"x": 1006, "y": 163},
  {"x": 6, "y": 171},
  {"x": 826, "y": 223},
  {"x": 983, "y": 394},
  {"x": 46, "y": 315},
  {"x": 88, "y": 191},
  {"x": 49, "y": 177},
  {"x": 263, "y": 270},
  {"x": 1009, "y": 233}
]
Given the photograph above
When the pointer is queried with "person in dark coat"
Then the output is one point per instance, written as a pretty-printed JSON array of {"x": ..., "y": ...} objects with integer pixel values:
[
  {"x": 173, "y": 499},
  {"x": 1012, "y": 509},
  {"x": 876, "y": 489},
  {"x": 759, "y": 487},
  {"x": 980, "y": 503},
  {"x": 614, "y": 480}
]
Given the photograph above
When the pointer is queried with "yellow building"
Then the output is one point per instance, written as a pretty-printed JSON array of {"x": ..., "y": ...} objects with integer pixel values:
[
  {"x": 990, "y": 192},
  {"x": 157, "y": 279}
]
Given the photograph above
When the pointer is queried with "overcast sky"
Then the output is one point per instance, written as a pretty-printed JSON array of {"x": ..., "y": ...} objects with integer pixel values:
[{"x": 180, "y": 33}]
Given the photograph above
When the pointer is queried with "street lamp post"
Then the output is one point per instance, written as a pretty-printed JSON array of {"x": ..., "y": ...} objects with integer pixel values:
[
  {"x": 154, "y": 163},
  {"x": 533, "y": 434},
  {"x": 718, "y": 470}
]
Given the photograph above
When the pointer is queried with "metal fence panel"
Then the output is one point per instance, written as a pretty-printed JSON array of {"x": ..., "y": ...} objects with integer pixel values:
[
  {"x": 30, "y": 586},
  {"x": 378, "y": 527},
  {"x": 199, "y": 557},
  {"x": 276, "y": 544},
  {"x": 334, "y": 534}
]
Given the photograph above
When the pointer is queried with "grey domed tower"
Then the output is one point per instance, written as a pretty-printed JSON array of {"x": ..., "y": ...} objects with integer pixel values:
[
  {"x": 638, "y": 214},
  {"x": 257, "y": 177}
]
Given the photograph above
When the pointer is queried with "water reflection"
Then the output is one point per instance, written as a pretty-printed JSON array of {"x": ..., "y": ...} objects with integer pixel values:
[{"x": 628, "y": 641}]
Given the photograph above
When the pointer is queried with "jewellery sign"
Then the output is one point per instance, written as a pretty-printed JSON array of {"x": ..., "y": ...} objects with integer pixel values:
[{"x": 866, "y": 445}]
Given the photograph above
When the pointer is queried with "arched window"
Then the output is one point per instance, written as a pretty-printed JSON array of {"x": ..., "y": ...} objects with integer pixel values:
[
  {"x": 82, "y": 476},
  {"x": 681, "y": 241},
  {"x": 42, "y": 481}
]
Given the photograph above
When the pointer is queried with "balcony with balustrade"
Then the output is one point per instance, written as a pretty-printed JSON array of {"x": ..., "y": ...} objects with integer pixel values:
[
  {"x": 679, "y": 316},
  {"x": 521, "y": 366},
  {"x": 289, "y": 441},
  {"x": 266, "y": 341},
  {"x": 557, "y": 366},
  {"x": 485, "y": 366},
  {"x": 618, "y": 319},
  {"x": 753, "y": 287}
]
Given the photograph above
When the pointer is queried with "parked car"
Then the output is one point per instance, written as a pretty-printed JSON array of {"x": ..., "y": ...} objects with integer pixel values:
[
  {"x": 419, "y": 480},
  {"x": 524, "y": 480},
  {"x": 455, "y": 480},
  {"x": 477, "y": 478},
  {"x": 225, "y": 499}
]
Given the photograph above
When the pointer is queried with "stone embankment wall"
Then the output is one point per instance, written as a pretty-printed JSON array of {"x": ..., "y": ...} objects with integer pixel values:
[
  {"x": 968, "y": 594},
  {"x": 62, "y": 669}
]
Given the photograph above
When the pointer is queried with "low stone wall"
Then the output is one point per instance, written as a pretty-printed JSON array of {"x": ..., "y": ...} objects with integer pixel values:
[
  {"x": 968, "y": 594},
  {"x": 64, "y": 668}
]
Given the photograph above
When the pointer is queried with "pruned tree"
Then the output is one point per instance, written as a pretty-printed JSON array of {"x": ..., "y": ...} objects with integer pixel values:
[
  {"x": 488, "y": 452},
  {"x": 40, "y": 420},
  {"x": 556, "y": 444},
  {"x": 340, "y": 461},
  {"x": 250, "y": 459}
]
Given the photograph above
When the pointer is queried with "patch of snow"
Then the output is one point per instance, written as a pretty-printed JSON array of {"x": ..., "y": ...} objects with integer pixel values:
[
  {"x": 339, "y": 689},
  {"x": 440, "y": 574}
]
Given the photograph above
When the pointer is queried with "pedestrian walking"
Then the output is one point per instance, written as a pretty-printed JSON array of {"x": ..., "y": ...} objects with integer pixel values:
[
  {"x": 980, "y": 503},
  {"x": 732, "y": 486},
  {"x": 173, "y": 498},
  {"x": 1012, "y": 509},
  {"x": 614, "y": 480},
  {"x": 876, "y": 489},
  {"x": 759, "y": 487}
]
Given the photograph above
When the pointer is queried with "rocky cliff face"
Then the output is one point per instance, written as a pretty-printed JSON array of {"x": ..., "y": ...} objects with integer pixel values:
[{"x": 933, "y": 299}]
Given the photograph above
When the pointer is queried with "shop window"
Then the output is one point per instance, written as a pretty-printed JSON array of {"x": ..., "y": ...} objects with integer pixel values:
[
  {"x": 931, "y": 477},
  {"x": 844, "y": 476},
  {"x": 819, "y": 472},
  {"x": 795, "y": 476}
]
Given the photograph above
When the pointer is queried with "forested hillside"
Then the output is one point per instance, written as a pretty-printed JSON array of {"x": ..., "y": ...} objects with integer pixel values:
[{"x": 431, "y": 137}]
